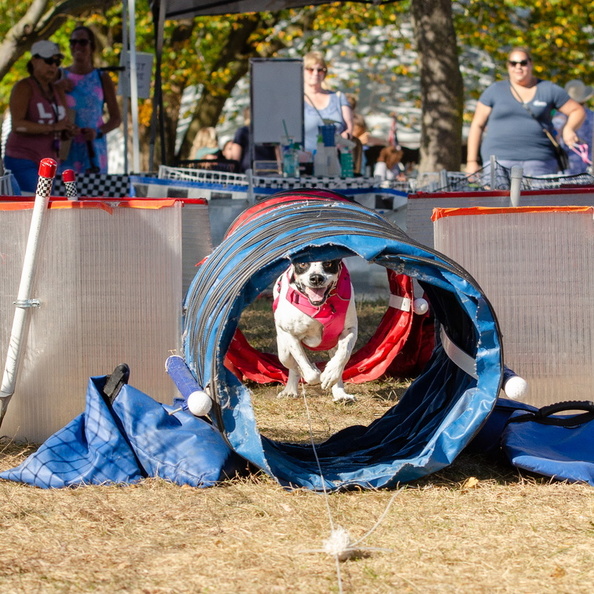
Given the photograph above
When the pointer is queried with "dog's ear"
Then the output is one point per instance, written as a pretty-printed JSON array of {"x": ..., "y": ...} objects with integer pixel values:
[
  {"x": 301, "y": 267},
  {"x": 331, "y": 266}
]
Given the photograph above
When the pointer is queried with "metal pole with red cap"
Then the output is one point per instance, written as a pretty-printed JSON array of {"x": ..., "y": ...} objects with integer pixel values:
[{"x": 47, "y": 173}]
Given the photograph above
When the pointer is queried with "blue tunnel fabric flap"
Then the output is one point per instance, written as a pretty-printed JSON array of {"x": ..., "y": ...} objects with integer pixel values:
[
  {"x": 135, "y": 439},
  {"x": 179, "y": 447}
]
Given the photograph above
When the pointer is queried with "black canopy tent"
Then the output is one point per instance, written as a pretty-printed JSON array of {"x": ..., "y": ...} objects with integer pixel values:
[{"x": 183, "y": 9}]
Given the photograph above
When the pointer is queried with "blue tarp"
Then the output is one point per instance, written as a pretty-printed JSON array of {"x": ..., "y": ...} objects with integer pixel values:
[{"x": 134, "y": 438}]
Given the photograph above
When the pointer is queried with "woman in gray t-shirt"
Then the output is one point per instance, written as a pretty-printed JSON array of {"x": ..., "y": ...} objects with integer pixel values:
[{"x": 509, "y": 119}]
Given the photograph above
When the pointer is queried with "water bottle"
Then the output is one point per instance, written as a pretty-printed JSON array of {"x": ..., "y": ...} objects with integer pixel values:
[{"x": 347, "y": 168}]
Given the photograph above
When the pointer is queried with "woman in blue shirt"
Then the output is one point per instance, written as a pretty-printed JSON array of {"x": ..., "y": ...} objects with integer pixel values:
[{"x": 322, "y": 106}]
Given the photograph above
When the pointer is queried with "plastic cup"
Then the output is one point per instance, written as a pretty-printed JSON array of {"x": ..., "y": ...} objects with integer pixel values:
[{"x": 328, "y": 131}]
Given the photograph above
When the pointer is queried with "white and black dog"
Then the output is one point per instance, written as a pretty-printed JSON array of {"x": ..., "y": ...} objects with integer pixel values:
[{"x": 314, "y": 307}]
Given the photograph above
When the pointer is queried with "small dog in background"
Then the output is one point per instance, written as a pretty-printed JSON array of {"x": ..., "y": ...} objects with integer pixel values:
[{"x": 314, "y": 307}]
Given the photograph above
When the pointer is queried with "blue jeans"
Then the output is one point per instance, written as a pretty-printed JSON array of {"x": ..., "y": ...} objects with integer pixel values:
[
  {"x": 25, "y": 171},
  {"x": 534, "y": 168}
]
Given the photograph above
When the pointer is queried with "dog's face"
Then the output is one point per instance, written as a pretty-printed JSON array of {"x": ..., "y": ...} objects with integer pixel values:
[{"x": 316, "y": 279}]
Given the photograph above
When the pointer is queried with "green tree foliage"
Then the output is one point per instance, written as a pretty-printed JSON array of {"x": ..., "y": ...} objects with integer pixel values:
[
  {"x": 213, "y": 52},
  {"x": 560, "y": 33}
]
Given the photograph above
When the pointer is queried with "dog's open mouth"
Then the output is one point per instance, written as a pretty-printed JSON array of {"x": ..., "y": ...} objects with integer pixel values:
[{"x": 316, "y": 295}]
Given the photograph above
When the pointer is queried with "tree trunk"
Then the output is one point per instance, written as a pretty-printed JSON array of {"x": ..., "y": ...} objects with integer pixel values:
[{"x": 442, "y": 88}]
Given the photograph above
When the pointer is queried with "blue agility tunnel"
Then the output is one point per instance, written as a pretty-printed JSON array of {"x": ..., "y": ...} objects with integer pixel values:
[{"x": 442, "y": 409}]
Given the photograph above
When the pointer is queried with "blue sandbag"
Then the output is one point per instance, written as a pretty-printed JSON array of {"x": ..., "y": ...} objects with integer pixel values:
[
  {"x": 91, "y": 449},
  {"x": 554, "y": 445},
  {"x": 488, "y": 439},
  {"x": 177, "y": 447},
  {"x": 133, "y": 439}
]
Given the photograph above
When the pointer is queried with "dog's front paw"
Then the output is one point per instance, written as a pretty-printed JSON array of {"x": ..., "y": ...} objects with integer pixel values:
[
  {"x": 339, "y": 395},
  {"x": 331, "y": 375},
  {"x": 287, "y": 393},
  {"x": 311, "y": 376}
]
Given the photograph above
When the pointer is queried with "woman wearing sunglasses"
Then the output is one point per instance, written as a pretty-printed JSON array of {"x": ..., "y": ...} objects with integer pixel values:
[
  {"x": 38, "y": 114},
  {"x": 87, "y": 91},
  {"x": 321, "y": 105},
  {"x": 510, "y": 116}
]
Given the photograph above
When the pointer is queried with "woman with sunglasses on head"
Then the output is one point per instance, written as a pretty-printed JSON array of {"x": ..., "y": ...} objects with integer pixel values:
[
  {"x": 510, "y": 116},
  {"x": 322, "y": 106},
  {"x": 38, "y": 114},
  {"x": 87, "y": 90}
]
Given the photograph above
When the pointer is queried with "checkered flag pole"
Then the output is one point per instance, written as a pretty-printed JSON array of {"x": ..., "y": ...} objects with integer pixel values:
[
  {"x": 24, "y": 301},
  {"x": 69, "y": 179}
]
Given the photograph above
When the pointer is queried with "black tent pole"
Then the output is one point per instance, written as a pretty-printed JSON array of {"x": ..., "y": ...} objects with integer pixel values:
[{"x": 158, "y": 115}]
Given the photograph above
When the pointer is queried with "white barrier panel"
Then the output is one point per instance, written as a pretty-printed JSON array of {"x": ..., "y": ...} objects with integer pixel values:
[
  {"x": 536, "y": 266},
  {"x": 110, "y": 280},
  {"x": 196, "y": 238},
  {"x": 421, "y": 205}
]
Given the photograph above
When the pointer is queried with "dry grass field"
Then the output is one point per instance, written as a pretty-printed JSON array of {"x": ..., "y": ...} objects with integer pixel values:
[{"x": 475, "y": 527}]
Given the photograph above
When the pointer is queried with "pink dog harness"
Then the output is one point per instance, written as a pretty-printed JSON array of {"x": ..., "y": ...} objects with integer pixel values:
[{"x": 331, "y": 314}]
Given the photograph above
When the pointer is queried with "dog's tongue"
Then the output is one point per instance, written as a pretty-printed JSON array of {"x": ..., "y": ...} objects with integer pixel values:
[{"x": 315, "y": 295}]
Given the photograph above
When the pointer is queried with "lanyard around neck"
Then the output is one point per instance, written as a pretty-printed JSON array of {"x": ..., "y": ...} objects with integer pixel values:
[{"x": 50, "y": 99}]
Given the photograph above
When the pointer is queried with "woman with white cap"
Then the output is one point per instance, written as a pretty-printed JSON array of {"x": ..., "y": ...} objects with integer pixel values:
[
  {"x": 38, "y": 113},
  {"x": 580, "y": 155}
]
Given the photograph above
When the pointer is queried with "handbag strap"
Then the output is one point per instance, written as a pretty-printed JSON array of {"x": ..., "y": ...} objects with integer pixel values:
[
  {"x": 317, "y": 110},
  {"x": 525, "y": 106}
]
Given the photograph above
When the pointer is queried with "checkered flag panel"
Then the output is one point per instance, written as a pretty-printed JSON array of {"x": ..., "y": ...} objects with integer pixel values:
[{"x": 96, "y": 185}]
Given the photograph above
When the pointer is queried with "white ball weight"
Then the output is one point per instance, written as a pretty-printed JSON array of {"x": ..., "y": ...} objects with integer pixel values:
[
  {"x": 199, "y": 403},
  {"x": 516, "y": 388},
  {"x": 420, "y": 306}
]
